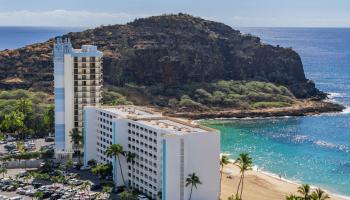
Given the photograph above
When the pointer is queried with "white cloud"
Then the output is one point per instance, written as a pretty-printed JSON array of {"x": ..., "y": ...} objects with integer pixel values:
[
  {"x": 239, "y": 21},
  {"x": 64, "y": 18}
]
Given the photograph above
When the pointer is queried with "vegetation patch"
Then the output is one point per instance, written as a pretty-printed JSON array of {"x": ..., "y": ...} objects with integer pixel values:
[
  {"x": 24, "y": 113},
  {"x": 271, "y": 104},
  {"x": 218, "y": 95}
]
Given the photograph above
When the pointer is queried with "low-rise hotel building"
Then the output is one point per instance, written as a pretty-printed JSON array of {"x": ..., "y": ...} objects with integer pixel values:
[{"x": 167, "y": 151}]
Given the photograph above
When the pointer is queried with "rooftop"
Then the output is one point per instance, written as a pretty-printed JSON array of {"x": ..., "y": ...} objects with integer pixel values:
[
  {"x": 174, "y": 126},
  {"x": 132, "y": 112},
  {"x": 156, "y": 120}
]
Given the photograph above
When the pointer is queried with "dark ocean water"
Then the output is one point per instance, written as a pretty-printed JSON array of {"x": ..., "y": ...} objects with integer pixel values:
[
  {"x": 314, "y": 149},
  {"x": 15, "y": 37}
]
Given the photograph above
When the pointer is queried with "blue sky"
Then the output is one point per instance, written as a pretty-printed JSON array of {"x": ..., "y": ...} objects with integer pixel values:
[{"x": 236, "y": 13}]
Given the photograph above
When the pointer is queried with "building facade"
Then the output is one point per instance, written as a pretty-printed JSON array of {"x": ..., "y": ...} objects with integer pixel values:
[
  {"x": 167, "y": 151},
  {"x": 77, "y": 83}
]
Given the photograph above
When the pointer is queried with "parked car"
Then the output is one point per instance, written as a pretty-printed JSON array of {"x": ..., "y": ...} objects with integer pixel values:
[
  {"x": 36, "y": 184},
  {"x": 85, "y": 168},
  {"x": 30, "y": 192},
  {"x": 142, "y": 197},
  {"x": 4, "y": 188},
  {"x": 10, "y": 188},
  {"x": 16, "y": 198},
  {"x": 119, "y": 189},
  {"x": 20, "y": 191},
  {"x": 47, "y": 194},
  {"x": 23, "y": 174},
  {"x": 56, "y": 196},
  {"x": 49, "y": 139},
  {"x": 10, "y": 146},
  {"x": 94, "y": 187},
  {"x": 10, "y": 139}
]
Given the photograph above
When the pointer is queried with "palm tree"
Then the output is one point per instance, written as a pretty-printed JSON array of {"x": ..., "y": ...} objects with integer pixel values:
[
  {"x": 98, "y": 195},
  {"x": 234, "y": 198},
  {"x": 319, "y": 194},
  {"x": 3, "y": 171},
  {"x": 76, "y": 139},
  {"x": 160, "y": 194},
  {"x": 192, "y": 180},
  {"x": 224, "y": 160},
  {"x": 115, "y": 150},
  {"x": 85, "y": 186},
  {"x": 244, "y": 162},
  {"x": 305, "y": 191},
  {"x": 106, "y": 190},
  {"x": 293, "y": 197},
  {"x": 126, "y": 195},
  {"x": 55, "y": 180},
  {"x": 130, "y": 158},
  {"x": 17, "y": 177},
  {"x": 38, "y": 195},
  {"x": 62, "y": 179},
  {"x": 69, "y": 164},
  {"x": 27, "y": 178}
]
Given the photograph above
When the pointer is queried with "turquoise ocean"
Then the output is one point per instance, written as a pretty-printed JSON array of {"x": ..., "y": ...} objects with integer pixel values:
[{"x": 313, "y": 149}]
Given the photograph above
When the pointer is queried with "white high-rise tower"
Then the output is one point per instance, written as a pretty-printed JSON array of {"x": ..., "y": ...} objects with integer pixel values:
[{"x": 78, "y": 81}]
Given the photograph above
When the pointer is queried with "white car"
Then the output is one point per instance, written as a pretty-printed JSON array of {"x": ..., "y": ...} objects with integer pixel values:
[
  {"x": 85, "y": 167},
  {"x": 30, "y": 192},
  {"x": 20, "y": 191},
  {"x": 16, "y": 198},
  {"x": 142, "y": 197},
  {"x": 3, "y": 197}
]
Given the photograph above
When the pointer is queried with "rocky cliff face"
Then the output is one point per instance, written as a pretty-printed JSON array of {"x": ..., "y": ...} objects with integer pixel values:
[{"x": 170, "y": 50}]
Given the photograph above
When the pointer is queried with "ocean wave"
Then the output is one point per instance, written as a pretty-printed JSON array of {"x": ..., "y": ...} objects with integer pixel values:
[
  {"x": 300, "y": 139},
  {"x": 346, "y": 110},
  {"x": 329, "y": 145},
  {"x": 304, "y": 139},
  {"x": 336, "y": 94}
]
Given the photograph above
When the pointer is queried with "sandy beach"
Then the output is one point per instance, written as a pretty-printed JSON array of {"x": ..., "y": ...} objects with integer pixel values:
[{"x": 259, "y": 186}]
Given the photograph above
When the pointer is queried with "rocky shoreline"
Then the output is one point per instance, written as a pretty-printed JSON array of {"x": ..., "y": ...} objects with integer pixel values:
[{"x": 300, "y": 108}]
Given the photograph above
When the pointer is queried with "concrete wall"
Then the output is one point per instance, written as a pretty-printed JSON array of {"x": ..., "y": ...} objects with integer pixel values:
[
  {"x": 59, "y": 96},
  {"x": 90, "y": 134},
  {"x": 202, "y": 155},
  {"x": 171, "y": 168},
  {"x": 23, "y": 164},
  {"x": 197, "y": 153},
  {"x": 68, "y": 99},
  {"x": 120, "y": 136}
]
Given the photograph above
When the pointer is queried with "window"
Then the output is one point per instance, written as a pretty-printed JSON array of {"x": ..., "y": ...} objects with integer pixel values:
[
  {"x": 83, "y": 59},
  {"x": 75, "y": 59}
]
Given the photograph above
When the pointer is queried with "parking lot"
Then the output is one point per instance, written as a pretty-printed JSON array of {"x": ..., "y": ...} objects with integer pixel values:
[
  {"x": 15, "y": 187},
  {"x": 38, "y": 143},
  {"x": 62, "y": 191},
  {"x": 71, "y": 189}
]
